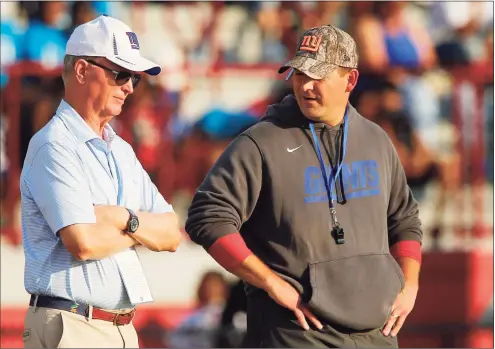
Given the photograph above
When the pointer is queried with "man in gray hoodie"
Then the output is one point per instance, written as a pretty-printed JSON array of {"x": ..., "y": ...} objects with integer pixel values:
[{"x": 311, "y": 208}]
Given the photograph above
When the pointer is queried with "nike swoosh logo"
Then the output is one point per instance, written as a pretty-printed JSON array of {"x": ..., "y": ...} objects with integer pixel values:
[{"x": 291, "y": 150}]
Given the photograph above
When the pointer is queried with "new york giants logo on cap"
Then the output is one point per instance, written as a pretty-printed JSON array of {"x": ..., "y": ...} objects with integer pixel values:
[
  {"x": 133, "y": 39},
  {"x": 310, "y": 43}
]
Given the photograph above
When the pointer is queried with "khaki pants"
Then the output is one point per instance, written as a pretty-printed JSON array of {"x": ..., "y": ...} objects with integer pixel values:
[{"x": 52, "y": 328}]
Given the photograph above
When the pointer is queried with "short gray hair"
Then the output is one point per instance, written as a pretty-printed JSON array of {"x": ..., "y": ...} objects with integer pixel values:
[{"x": 69, "y": 61}]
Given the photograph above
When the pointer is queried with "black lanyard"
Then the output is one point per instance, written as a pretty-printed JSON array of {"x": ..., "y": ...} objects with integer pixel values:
[{"x": 331, "y": 179}]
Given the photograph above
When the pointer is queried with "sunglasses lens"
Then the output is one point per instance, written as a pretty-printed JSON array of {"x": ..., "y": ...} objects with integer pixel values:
[
  {"x": 124, "y": 76},
  {"x": 135, "y": 80}
]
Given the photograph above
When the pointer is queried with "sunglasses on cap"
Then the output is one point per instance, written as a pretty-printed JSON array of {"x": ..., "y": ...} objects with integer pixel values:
[{"x": 121, "y": 77}]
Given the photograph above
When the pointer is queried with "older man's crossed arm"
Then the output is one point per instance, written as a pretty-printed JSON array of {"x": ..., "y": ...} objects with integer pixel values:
[{"x": 59, "y": 187}]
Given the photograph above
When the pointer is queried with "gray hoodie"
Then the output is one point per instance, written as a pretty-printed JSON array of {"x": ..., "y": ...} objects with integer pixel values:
[{"x": 268, "y": 186}]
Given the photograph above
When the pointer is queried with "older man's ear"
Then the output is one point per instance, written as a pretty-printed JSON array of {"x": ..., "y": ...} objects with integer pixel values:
[{"x": 81, "y": 70}]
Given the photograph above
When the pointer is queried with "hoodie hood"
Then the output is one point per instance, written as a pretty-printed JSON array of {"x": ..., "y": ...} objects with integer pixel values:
[{"x": 288, "y": 113}]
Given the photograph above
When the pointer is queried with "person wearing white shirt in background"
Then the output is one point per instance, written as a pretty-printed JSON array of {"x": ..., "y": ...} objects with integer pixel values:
[
  {"x": 87, "y": 202},
  {"x": 200, "y": 329}
]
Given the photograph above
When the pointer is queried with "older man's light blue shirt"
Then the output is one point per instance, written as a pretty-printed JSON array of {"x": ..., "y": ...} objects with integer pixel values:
[{"x": 67, "y": 170}]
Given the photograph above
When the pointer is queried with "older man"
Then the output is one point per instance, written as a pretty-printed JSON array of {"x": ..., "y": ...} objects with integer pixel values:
[{"x": 86, "y": 202}]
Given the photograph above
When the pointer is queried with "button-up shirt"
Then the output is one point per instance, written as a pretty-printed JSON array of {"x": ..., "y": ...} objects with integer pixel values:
[{"x": 68, "y": 169}]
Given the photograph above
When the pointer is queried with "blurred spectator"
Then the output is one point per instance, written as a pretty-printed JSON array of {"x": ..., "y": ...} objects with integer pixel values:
[
  {"x": 11, "y": 36},
  {"x": 45, "y": 39},
  {"x": 198, "y": 149},
  {"x": 271, "y": 31},
  {"x": 399, "y": 43},
  {"x": 199, "y": 330},
  {"x": 411, "y": 54},
  {"x": 259, "y": 39},
  {"x": 145, "y": 119},
  {"x": 489, "y": 108},
  {"x": 103, "y": 7},
  {"x": 388, "y": 38},
  {"x": 458, "y": 28},
  {"x": 144, "y": 123},
  {"x": 385, "y": 107},
  {"x": 38, "y": 105},
  {"x": 489, "y": 49},
  {"x": 81, "y": 12},
  {"x": 323, "y": 12},
  {"x": 279, "y": 90},
  {"x": 233, "y": 325},
  {"x": 4, "y": 162},
  {"x": 396, "y": 47},
  {"x": 487, "y": 318},
  {"x": 419, "y": 163},
  {"x": 208, "y": 138},
  {"x": 221, "y": 125}
]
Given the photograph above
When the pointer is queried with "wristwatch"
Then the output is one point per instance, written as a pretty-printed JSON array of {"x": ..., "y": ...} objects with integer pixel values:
[{"x": 132, "y": 223}]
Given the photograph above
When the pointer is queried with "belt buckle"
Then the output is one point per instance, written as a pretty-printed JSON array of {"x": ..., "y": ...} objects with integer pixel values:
[{"x": 117, "y": 316}]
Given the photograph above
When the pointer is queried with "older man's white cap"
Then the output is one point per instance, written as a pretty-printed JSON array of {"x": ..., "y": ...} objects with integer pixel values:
[{"x": 110, "y": 38}]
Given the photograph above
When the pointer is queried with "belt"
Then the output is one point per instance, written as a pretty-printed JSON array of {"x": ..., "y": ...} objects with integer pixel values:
[{"x": 82, "y": 309}]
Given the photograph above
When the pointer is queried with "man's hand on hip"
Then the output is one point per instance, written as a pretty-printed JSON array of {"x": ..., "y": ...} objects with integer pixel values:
[
  {"x": 401, "y": 308},
  {"x": 287, "y": 296},
  {"x": 258, "y": 274}
]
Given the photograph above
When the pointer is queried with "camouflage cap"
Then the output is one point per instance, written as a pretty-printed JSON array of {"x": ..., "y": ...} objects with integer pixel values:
[{"x": 322, "y": 49}]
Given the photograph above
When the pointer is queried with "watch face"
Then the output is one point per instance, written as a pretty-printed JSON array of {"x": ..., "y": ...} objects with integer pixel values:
[{"x": 134, "y": 224}]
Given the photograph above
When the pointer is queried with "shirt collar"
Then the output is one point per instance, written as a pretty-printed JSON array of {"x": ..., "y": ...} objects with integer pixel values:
[
  {"x": 108, "y": 133},
  {"x": 78, "y": 127}
]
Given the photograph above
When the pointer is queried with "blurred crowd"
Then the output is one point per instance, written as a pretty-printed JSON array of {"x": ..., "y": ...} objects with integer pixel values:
[
  {"x": 220, "y": 61},
  {"x": 178, "y": 123}
]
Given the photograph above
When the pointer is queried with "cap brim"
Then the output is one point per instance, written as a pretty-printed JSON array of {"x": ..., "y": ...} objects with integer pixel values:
[
  {"x": 136, "y": 63},
  {"x": 311, "y": 67}
]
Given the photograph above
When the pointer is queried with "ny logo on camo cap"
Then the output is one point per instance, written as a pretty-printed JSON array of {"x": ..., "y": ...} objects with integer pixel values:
[
  {"x": 322, "y": 49},
  {"x": 310, "y": 43}
]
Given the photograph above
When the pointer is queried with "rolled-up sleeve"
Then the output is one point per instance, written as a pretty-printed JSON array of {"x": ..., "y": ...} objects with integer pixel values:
[{"x": 58, "y": 186}]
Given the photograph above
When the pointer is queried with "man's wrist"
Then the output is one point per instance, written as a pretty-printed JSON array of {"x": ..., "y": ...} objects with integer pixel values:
[
  {"x": 412, "y": 284},
  {"x": 271, "y": 281},
  {"x": 120, "y": 217},
  {"x": 117, "y": 216},
  {"x": 411, "y": 270},
  {"x": 123, "y": 218}
]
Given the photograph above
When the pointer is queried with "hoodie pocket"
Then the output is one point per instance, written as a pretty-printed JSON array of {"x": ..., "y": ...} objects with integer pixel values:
[{"x": 356, "y": 292}]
